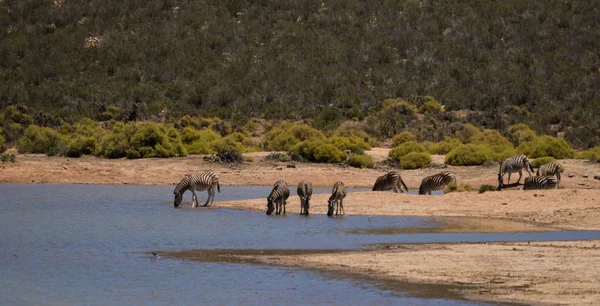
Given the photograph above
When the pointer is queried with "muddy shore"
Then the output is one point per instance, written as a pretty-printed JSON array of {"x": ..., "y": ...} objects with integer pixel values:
[{"x": 533, "y": 273}]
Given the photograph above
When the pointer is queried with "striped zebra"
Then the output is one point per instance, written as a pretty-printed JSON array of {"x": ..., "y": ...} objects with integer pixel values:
[
  {"x": 277, "y": 198},
  {"x": 390, "y": 180},
  {"x": 436, "y": 182},
  {"x": 512, "y": 165},
  {"x": 197, "y": 182},
  {"x": 304, "y": 192},
  {"x": 551, "y": 168},
  {"x": 336, "y": 200},
  {"x": 540, "y": 182}
]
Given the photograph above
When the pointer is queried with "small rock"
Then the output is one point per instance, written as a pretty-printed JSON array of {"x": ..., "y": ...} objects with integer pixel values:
[
  {"x": 291, "y": 166},
  {"x": 597, "y": 177},
  {"x": 504, "y": 203},
  {"x": 585, "y": 176},
  {"x": 279, "y": 168},
  {"x": 571, "y": 175}
]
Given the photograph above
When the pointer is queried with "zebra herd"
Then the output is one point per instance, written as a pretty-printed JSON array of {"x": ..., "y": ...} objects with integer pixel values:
[{"x": 277, "y": 199}]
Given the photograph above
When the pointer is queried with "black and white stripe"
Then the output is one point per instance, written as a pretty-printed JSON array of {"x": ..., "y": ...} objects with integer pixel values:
[
  {"x": 336, "y": 200},
  {"x": 305, "y": 193},
  {"x": 197, "y": 182},
  {"x": 551, "y": 168},
  {"x": 277, "y": 198},
  {"x": 390, "y": 180},
  {"x": 540, "y": 182},
  {"x": 512, "y": 165},
  {"x": 436, "y": 182}
]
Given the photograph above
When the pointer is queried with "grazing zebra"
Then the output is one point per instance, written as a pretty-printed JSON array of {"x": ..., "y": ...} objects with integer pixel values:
[
  {"x": 390, "y": 180},
  {"x": 304, "y": 192},
  {"x": 551, "y": 168},
  {"x": 512, "y": 165},
  {"x": 277, "y": 198},
  {"x": 436, "y": 182},
  {"x": 336, "y": 200},
  {"x": 540, "y": 182},
  {"x": 197, "y": 182}
]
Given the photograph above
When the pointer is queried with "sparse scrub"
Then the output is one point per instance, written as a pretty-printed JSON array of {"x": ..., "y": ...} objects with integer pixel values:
[
  {"x": 455, "y": 187},
  {"x": 468, "y": 155},
  {"x": 520, "y": 133},
  {"x": 547, "y": 146},
  {"x": 592, "y": 154},
  {"x": 402, "y": 138},
  {"x": 361, "y": 161},
  {"x": 483, "y": 188}
]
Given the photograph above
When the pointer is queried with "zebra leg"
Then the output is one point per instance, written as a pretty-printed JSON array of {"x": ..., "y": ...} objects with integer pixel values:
[
  {"x": 284, "y": 204},
  {"x": 194, "y": 199},
  {"x": 211, "y": 196},
  {"x": 342, "y": 207},
  {"x": 520, "y": 176},
  {"x": 557, "y": 179},
  {"x": 508, "y": 182}
]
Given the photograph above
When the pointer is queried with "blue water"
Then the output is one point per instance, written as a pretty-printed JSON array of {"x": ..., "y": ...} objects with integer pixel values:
[{"x": 90, "y": 244}]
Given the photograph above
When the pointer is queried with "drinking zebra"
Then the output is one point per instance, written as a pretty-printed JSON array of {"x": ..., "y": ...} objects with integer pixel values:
[
  {"x": 336, "y": 200},
  {"x": 277, "y": 198},
  {"x": 540, "y": 182},
  {"x": 551, "y": 168},
  {"x": 512, "y": 165},
  {"x": 436, "y": 182},
  {"x": 390, "y": 180},
  {"x": 197, "y": 182},
  {"x": 304, "y": 192}
]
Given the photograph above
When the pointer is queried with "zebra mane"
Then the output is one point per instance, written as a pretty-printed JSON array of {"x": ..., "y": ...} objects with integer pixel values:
[{"x": 182, "y": 185}]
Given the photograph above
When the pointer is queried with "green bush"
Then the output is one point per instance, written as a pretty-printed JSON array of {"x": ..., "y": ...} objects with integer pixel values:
[
  {"x": 520, "y": 133},
  {"x": 442, "y": 147},
  {"x": 354, "y": 144},
  {"x": 227, "y": 145},
  {"x": 547, "y": 146},
  {"x": 500, "y": 147},
  {"x": 355, "y": 129},
  {"x": 483, "y": 188},
  {"x": 467, "y": 132},
  {"x": 361, "y": 161},
  {"x": 431, "y": 105},
  {"x": 141, "y": 141},
  {"x": 199, "y": 141},
  {"x": 316, "y": 150},
  {"x": 81, "y": 145},
  {"x": 455, "y": 187},
  {"x": 2, "y": 148},
  {"x": 415, "y": 160},
  {"x": 592, "y": 154},
  {"x": 405, "y": 148},
  {"x": 468, "y": 155},
  {"x": 8, "y": 157},
  {"x": 402, "y": 138},
  {"x": 41, "y": 140},
  {"x": 278, "y": 139}
]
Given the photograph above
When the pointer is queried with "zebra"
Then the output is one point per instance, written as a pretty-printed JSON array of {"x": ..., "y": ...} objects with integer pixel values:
[
  {"x": 540, "y": 182},
  {"x": 279, "y": 195},
  {"x": 390, "y": 180},
  {"x": 197, "y": 182},
  {"x": 436, "y": 182},
  {"x": 512, "y": 165},
  {"x": 304, "y": 192},
  {"x": 337, "y": 197},
  {"x": 551, "y": 168}
]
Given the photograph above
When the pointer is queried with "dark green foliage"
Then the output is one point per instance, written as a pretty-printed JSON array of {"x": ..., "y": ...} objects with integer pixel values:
[
  {"x": 468, "y": 155},
  {"x": 81, "y": 145},
  {"x": 405, "y": 148},
  {"x": 42, "y": 140},
  {"x": 547, "y": 146},
  {"x": 2, "y": 147},
  {"x": 483, "y": 188},
  {"x": 361, "y": 161},
  {"x": 415, "y": 160}
]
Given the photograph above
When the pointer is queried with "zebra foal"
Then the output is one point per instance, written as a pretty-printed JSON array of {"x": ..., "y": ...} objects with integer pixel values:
[
  {"x": 336, "y": 200},
  {"x": 540, "y": 182},
  {"x": 549, "y": 169},
  {"x": 304, "y": 192},
  {"x": 278, "y": 197},
  {"x": 512, "y": 165},
  {"x": 390, "y": 180},
  {"x": 197, "y": 182},
  {"x": 436, "y": 182}
]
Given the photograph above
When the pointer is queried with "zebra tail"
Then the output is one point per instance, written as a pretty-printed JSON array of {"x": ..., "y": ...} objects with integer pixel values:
[{"x": 218, "y": 187}]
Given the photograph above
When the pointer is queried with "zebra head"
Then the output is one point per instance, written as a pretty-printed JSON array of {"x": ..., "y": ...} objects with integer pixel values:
[
  {"x": 270, "y": 206},
  {"x": 178, "y": 198},
  {"x": 421, "y": 190},
  {"x": 330, "y": 207}
]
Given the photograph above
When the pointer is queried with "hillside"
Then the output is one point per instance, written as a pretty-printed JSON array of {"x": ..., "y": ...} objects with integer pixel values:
[{"x": 504, "y": 62}]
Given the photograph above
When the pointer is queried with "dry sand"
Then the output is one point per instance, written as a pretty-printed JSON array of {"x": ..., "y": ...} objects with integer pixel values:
[{"x": 536, "y": 272}]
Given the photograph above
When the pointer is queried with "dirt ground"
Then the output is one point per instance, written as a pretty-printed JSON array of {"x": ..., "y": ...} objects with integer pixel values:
[{"x": 534, "y": 273}]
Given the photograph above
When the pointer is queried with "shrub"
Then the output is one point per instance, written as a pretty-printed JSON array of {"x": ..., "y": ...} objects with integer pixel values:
[
  {"x": 468, "y": 155},
  {"x": 361, "y": 161},
  {"x": 198, "y": 141},
  {"x": 81, "y": 145},
  {"x": 8, "y": 157},
  {"x": 2, "y": 148},
  {"x": 520, "y": 133},
  {"x": 402, "y": 138},
  {"x": 354, "y": 144},
  {"x": 592, "y": 154},
  {"x": 328, "y": 153},
  {"x": 278, "y": 139},
  {"x": 155, "y": 140},
  {"x": 467, "y": 132},
  {"x": 415, "y": 160},
  {"x": 317, "y": 151},
  {"x": 546, "y": 146},
  {"x": 227, "y": 145},
  {"x": 500, "y": 147},
  {"x": 442, "y": 147},
  {"x": 455, "y": 187},
  {"x": 431, "y": 105},
  {"x": 405, "y": 148},
  {"x": 352, "y": 128},
  {"x": 483, "y": 188},
  {"x": 41, "y": 140},
  {"x": 244, "y": 140}
]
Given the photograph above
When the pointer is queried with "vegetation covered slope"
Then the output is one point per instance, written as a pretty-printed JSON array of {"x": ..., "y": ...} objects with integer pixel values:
[{"x": 534, "y": 62}]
